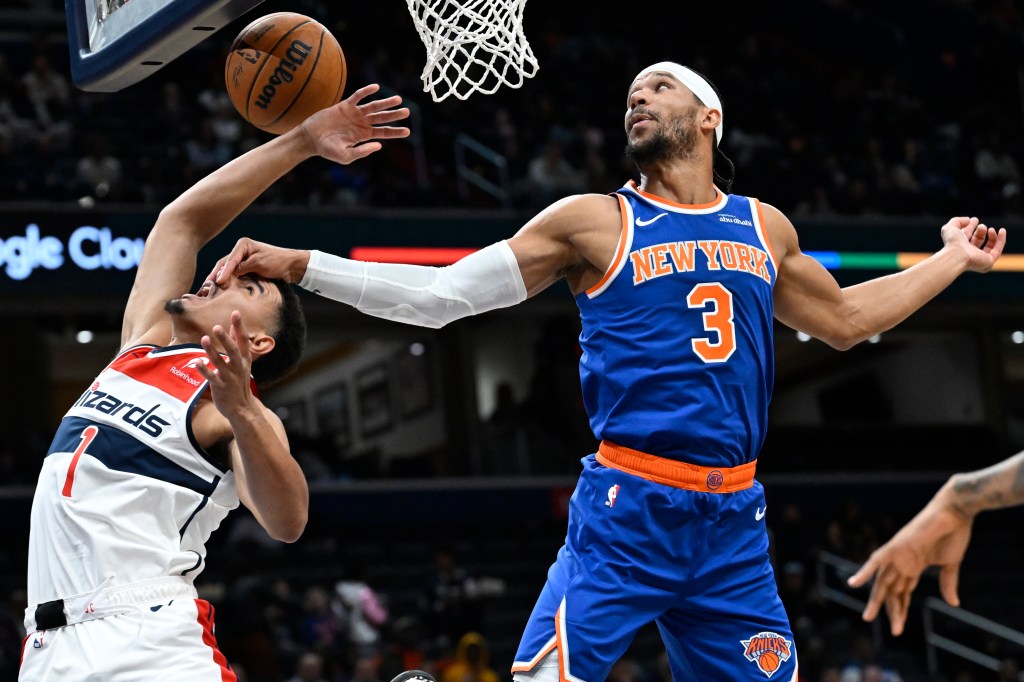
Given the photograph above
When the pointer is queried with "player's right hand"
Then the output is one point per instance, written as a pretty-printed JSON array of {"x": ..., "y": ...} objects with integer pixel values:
[
  {"x": 982, "y": 245},
  {"x": 266, "y": 260},
  {"x": 937, "y": 536},
  {"x": 346, "y": 131}
]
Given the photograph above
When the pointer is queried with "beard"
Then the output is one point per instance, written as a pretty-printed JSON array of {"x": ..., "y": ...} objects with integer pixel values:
[
  {"x": 676, "y": 141},
  {"x": 174, "y": 306}
]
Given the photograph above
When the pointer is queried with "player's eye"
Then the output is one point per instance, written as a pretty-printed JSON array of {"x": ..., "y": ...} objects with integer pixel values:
[{"x": 251, "y": 289}]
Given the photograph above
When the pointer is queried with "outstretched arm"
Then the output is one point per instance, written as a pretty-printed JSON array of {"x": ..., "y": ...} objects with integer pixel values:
[
  {"x": 341, "y": 133},
  {"x": 937, "y": 536},
  {"x": 808, "y": 299},
  {"x": 498, "y": 276}
]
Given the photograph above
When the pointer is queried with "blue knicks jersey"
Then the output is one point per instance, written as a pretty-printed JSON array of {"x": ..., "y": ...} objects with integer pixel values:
[{"x": 677, "y": 336}]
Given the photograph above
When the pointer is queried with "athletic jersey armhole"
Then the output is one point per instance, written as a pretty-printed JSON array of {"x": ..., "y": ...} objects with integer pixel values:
[
  {"x": 762, "y": 230},
  {"x": 625, "y": 240}
]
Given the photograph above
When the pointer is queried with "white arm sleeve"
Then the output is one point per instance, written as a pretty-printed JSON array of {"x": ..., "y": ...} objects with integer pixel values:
[{"x": 416, "y": 294}]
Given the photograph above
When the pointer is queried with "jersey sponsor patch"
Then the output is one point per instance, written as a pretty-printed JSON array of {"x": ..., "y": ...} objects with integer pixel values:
[{"x": 768, "y": 651}]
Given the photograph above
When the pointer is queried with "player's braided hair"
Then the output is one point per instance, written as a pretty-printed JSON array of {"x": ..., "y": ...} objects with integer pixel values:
[
  {"x": 289, "y": 339},
  {"x": 723, "y": 169}
]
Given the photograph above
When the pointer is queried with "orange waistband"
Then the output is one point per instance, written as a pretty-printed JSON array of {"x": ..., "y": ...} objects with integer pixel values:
[{"x": 675, "y": 473}]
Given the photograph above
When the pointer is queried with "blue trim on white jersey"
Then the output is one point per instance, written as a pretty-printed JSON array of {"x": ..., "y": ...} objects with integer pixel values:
[{"x": 121, "y": 452}]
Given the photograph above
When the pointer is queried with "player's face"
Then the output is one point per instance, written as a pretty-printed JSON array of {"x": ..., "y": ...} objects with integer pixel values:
[
  {"x": 661, "y": 120},
  {"x": 258, "y": 301}
]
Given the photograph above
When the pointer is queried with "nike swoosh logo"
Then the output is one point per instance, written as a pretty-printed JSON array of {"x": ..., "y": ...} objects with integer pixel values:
[
  {"x": 640, "y": 222},
  {"x": 759, "y": 514}
]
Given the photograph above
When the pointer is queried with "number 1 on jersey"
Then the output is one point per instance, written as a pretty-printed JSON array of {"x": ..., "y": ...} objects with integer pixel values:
[
  {"x": 87, "y": 435},
  {"x": 719, "y": 320}
]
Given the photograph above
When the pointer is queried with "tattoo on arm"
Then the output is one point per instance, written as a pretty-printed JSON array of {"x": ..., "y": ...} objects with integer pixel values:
[{"x": 998, "y": 486}]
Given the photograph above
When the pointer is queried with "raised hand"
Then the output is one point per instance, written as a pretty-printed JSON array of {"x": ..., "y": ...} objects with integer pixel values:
[
  {"x": 982, "y": 244},
  {"x": 229, "y": 377},
  {"x": 347, "y": 130}
]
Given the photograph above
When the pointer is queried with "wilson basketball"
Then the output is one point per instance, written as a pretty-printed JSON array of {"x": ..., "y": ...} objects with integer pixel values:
[
  {"x": 768, "y": 661},
  {"x": 282, "y": 68}
]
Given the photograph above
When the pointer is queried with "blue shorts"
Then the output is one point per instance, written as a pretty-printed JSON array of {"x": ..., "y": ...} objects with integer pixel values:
[{"x": 695, "y": 563}]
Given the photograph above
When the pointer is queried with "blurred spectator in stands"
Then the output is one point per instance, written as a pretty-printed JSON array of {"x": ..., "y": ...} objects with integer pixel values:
[
  {"x": 366, "y": 669},
  {"x": 864, "y": 665},
  {"x": 50, "y": 95},
  {"x": 596, "y": 176},
  {"x": 310, "y": 668},
  {"x": 227, "y": 124},
  {"x": 243, "y": 632},
  {"x": 451, "y": 607},
  {"x": 323, "y": 629},
  {"x": 905, "y": 178},
  {"x": 793, "y": 589},
  {"x": 175, "y": 116},
  {"x": 341, "y": 186},
  {"x": 550, "y": 176},
  {"x": 403, "y": 647},
  {"x": 206, "y": 152},
  {"x": 365, "y": 612},
  {"x": 98, "y": 173},
  {"x": 17, "y": 130},
  {"x": 472, "y": 661},
  {"x": 997, "y": 170},
  {"x": 283, "y": 615},
  {"x": 503, "y": 436}
]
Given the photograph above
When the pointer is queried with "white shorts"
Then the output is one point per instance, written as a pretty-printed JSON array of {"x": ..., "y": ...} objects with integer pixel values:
[{"x": 169, "y": 642}]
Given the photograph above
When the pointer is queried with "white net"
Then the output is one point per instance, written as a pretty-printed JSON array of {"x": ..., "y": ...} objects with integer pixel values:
[{"x": 472, "y": 46}]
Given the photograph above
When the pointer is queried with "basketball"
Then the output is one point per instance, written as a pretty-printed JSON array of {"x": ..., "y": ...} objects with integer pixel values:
[
  {"x": 768, "y": 661},
  {"x": 282, "y": 68}
]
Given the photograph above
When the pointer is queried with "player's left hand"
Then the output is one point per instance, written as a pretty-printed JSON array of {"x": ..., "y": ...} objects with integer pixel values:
[
  {"x": 229, "y": 377},
  {"x": 982, "y": 244}
]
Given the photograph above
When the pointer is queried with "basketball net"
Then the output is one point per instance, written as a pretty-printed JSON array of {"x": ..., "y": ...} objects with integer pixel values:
[{"x": 472, "y": 46}]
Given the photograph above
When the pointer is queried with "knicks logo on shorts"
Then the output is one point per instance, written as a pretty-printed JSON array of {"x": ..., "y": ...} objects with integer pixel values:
[{"x": 768, "y": 650}]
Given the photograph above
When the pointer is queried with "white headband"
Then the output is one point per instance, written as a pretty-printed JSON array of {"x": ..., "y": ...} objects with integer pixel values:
[{"x": 700, "y": 88}]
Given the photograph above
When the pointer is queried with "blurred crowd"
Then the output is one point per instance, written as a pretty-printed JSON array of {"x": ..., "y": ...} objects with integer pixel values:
[
  {"x": 364, "y": 605},
  {"x": 831, "y": 107}
]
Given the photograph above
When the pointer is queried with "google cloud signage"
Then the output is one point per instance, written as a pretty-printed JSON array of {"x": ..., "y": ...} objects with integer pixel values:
[{"x": 86, "y": 248}]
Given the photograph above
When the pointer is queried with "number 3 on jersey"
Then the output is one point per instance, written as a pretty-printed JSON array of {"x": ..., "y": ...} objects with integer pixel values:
[
  {"x": 87, "y": 435},
  {"x": 718, "y": 319}
]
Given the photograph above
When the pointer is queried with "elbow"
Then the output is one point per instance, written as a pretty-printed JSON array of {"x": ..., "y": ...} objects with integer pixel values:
[
  {"x": 841, "y": 342},
  {"x": 291, "y": 530},
  {"x": 846, "y": 337}
]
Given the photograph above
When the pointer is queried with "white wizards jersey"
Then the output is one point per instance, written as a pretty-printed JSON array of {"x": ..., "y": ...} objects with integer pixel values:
[{"x": 125, "y": 492}]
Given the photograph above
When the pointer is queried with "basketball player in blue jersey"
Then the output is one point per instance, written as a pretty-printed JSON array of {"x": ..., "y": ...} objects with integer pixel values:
[
  {"x": 171, "y": 436},
  {"x": 677, "y": 283}
]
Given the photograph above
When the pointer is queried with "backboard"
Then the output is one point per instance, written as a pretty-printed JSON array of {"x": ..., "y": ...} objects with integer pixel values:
[{"x": 116, "y": 43}]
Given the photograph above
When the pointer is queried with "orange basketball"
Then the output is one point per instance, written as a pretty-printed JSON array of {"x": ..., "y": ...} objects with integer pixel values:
[
  {"x": 282, "y": 68},
  {"x": 768, "y": 661}
]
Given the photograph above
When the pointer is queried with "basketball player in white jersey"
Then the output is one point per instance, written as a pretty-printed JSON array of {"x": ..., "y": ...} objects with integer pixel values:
[{"x": 171, "y": 436}]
